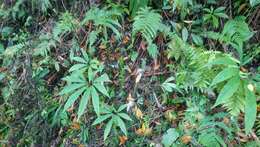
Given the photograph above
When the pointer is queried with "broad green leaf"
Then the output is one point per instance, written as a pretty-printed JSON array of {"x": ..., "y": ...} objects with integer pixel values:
[
  {"x": 95, "y": 100},
  {"x": 254, "y": 2},
  {"x": 73, "y": 97},
  {"x": 225, "y": 74},
  {"x": 170, "y": 136},
  {"x": 1, "y": 48},
  {"x": 83, "y": 102},
  {"x": 120, "y": 123},
  {"x": 224, "y": 61},
  {"x": 124, "y": 116},
  {"x": 101, "y": 119},
  {"x": 69, "y": 88},
  {"x": 185, "y": 34},
  {"x": 102, "y": 78},
  {"x": 75, "y": 77},
  {"x": 101, "y": 88},
  {"x": 91, "y": 75},
  {"x": 77, "y": 67},
  {"x": 228, "y": 90},
  {"x": 197, "y": 39},
  {"x": 122, "y": 107},
  {"x": 250, "y": 110},
  {"x": 108, "y": 129}
]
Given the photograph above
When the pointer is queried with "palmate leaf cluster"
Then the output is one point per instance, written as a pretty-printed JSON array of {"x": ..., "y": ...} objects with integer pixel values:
[
  {"x": 83, "y": 83},
  {"x": 115, "y": 117}
]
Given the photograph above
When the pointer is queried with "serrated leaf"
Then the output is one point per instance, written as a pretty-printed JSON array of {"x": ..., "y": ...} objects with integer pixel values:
[
  {"x": 228, "y": 90},
  {"x": 95, "y": 100},
  {"x": 83, "y": 102},
  {"x": 225, "y": 74},
  {"x": 250, "y": 110},
  {"x": 73, "y": 97},
  {"x": 108, "y": 129}
]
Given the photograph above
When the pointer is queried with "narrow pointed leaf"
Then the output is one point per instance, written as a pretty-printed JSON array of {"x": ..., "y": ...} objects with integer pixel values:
[
  {"x": 102, "y": 78},
  {"x": 124, "y": 116},
  {"x": 73, "y": 97},
  {"x": 108, "y": 129},
  {"x": 224, "y": 75},
  {"x": 101, "y": 119},
  {"x": 79, "y": 59},
  {"x": 228, "y": 90},
  {"x": 77, "y": 67},
  {"x": 101, "y": 88},
  {"x": 250, "y": 110},
  {"x": 83, "y": 102},
  {"x": 95, "y": 100},
  {"x": 121, "y": 124},
  {"x": 70, "y": 88}
]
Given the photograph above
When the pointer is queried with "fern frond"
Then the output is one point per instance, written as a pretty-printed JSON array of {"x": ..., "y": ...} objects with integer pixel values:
[
  {"x": 45, "y": 45},
  {"x": 235, "y": 105},
  {"x": 147, "y": 22},
  {"x": 257, "y": 126},
  {"x": 193, "y": 74},
  {"x": 105, "y": 18},
  {"x": 66, "y": 24}
]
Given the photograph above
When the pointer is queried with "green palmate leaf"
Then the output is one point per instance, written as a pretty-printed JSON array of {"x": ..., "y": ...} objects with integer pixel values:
[
  {"x": 228, "y": 90},
  {"x": 108, "y": 129},
  {"x": 69, "y": 88},
  {"x": 250, "y": 109},
  {"x": 120, "y": 124},
  {"x": 101, "y": 88},
  {"x": 101, "y": 119},
  {"x": 73, "y": 97},
  {"x": 95, "y": 100},
  {"x": 84, "y": 102},
  {"x": 225, "y": 74},
  {"x": 124, "y": 116}
]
